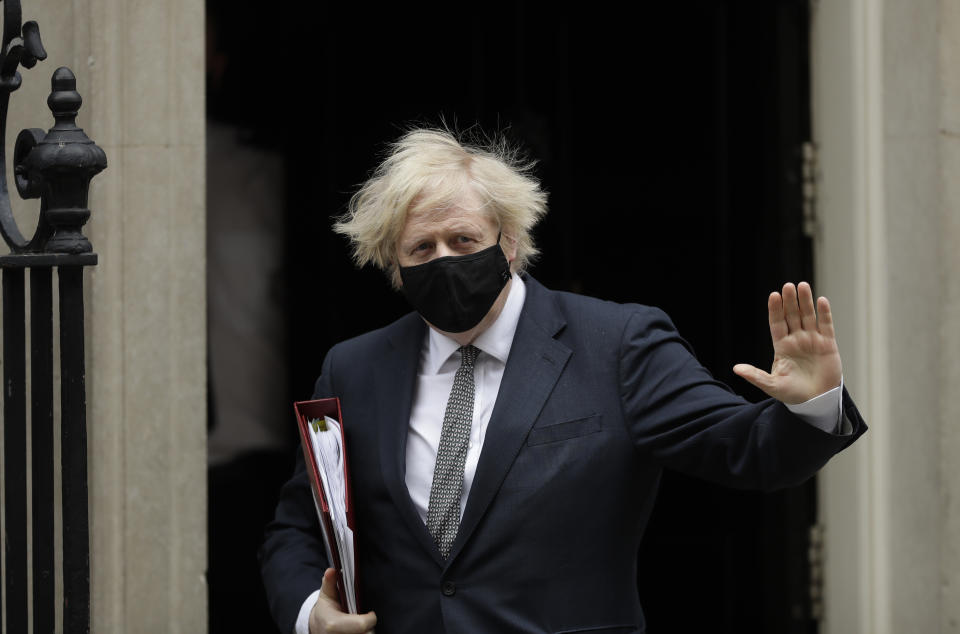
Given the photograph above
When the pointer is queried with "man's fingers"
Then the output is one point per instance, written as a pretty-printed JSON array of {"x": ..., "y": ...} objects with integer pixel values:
[
  {"x": 778, "y": 326},
  {"x": 367, "y": 621},
  {"x": 756, "y": 376},
  {"x": 791, "y": 309},
  {"x": 825, "y": 318},
  {"x": 352, "y": 624},
  {"x": 808, "y": 318}
]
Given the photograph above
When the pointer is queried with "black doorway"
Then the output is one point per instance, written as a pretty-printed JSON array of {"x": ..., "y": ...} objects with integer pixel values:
[{"x": 670, "y": 142}]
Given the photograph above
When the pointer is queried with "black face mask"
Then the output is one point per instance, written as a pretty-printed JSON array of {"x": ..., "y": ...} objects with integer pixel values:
[{"x": 455, "y": 292}]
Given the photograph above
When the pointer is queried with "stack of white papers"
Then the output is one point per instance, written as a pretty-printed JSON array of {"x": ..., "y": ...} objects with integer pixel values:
[{"x": 325, "y": 438}]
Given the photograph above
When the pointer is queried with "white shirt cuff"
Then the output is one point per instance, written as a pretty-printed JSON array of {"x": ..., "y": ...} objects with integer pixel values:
[
  {"x": 303, "y": 619},
  {"x": 825, "y": 412}
]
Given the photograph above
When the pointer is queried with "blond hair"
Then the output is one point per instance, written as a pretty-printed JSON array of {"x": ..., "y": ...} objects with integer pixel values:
[{"x": 430, "y": 168}]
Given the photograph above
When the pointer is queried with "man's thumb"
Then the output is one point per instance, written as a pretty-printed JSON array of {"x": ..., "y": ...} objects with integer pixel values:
[
  {"x": 329, "y": 585},
  {"x": 756, "y": 376}
]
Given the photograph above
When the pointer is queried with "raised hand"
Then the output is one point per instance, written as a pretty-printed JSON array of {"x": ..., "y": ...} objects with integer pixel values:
[{"x": 806, "y": 361}]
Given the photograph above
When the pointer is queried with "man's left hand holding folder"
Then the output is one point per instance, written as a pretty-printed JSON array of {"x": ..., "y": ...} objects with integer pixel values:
[{"x": 327, "y": 617}]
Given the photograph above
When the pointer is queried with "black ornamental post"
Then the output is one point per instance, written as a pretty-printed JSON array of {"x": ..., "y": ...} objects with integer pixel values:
[{"x": 55, "y": 166}]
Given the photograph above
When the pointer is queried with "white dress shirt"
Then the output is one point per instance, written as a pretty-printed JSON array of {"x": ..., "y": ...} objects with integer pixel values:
[{"x": 439, "y": 361}]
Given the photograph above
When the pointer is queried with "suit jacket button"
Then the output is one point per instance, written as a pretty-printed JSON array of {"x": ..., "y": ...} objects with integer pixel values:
[{"x": 449, "y": 589}]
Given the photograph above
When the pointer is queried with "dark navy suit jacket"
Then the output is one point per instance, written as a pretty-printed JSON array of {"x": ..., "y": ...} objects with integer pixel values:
[{"x": 596, "y": 399}]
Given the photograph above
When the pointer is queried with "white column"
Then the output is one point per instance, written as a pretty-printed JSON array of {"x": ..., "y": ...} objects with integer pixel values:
[
  {"x": 948, "y": 274},
  {"x": 140, "y": 70},
  {"x": 884, "y": 102}
]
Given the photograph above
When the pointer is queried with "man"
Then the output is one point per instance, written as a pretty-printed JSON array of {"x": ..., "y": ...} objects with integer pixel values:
[{"x": 505, "y": 440}]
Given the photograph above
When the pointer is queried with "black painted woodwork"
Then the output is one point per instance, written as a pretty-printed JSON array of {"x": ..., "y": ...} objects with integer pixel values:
[{"x": 668, "y": 136}]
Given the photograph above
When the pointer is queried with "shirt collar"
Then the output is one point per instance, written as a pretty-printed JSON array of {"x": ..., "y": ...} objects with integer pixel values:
[{"x": 495, "y": 340}]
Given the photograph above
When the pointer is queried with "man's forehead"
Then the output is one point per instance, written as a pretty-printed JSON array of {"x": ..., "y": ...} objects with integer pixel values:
[
  {"x": 429, "y": 206},
  {"x": 465, "y": 210}
]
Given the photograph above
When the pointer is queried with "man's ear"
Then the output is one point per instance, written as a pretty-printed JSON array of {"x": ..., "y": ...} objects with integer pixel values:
[{"x": 509, "y": 246}]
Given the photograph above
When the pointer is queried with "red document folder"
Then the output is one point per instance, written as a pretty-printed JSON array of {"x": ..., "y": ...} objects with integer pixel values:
[{"x": 306, "y": 411}]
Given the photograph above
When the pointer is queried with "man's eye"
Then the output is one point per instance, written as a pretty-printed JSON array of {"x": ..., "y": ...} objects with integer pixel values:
[
  {"x": 423, "y": 246},
  {"x": 464, "y": 239}
]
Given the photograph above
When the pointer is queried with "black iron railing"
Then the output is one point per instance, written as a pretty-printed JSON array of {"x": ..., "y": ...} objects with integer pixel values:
[{"x": 55, "y": 166}]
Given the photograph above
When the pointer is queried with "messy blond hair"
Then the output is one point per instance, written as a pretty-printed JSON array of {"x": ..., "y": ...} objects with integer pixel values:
[{"x": 433, "y": 169}]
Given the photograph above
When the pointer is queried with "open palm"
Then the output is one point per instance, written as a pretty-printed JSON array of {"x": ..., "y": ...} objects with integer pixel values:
[{"x": 806, "y": 361}]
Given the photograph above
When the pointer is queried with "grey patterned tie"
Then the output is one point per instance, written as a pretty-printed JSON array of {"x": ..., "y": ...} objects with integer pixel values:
[{"x": 443, "y": 510}]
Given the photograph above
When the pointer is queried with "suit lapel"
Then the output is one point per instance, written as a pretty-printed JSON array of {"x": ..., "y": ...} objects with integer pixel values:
[
  {"x": 535, "y": 363},
  {"x": 396, "y": 381}
]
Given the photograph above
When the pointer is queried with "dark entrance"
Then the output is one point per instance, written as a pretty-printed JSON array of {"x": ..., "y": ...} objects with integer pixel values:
[{"x": 669, "y": 141}]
